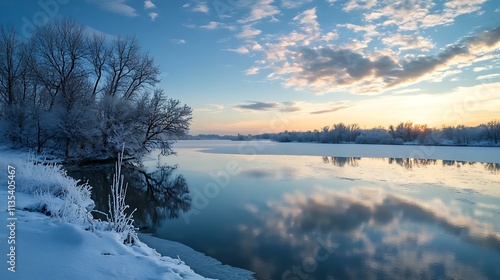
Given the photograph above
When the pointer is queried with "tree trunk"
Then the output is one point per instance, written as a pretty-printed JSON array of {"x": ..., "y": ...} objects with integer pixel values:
[{"x": 66, "y": 150}]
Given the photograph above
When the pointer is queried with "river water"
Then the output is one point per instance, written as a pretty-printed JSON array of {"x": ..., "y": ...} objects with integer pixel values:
[{"x": 287, "y": 216}]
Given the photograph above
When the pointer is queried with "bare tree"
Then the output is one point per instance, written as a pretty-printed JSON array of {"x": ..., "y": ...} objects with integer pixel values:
[
  {"x": 97, "y": 56},
  {"x": 128, "y": 69},
  {"x": 162, "y": 118},
  {"x": 12, "y": 65},
  {"x": 493, "y": 130},
  {"x": 59, "y": 53}
]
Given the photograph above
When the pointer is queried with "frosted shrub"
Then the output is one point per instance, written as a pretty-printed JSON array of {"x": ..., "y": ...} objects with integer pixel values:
[
  {"x": 118, "y": 220},
  {"x": 57, "y": 194}
]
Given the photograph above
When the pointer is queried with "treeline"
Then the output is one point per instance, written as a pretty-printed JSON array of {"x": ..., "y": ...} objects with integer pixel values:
[
  {"x": 75, "y": 93},
  {"x": 405, "y": 132}
]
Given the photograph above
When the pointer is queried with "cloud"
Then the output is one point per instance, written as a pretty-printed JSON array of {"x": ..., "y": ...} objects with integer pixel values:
[
  {"x": 178, "y": 41},
  {"x": 153, "y": 15},
  {"x": 200, "y": 8},
  {"x": 359, "y": 5},
  {"x": 408, "y": 90},
  {"x": 369, "y": 30},
  {"x": 116, "y": 6},
  {"x": 97, "y": 32},
  {"x": 260, "y": 10},
  {"x": 290, "y": 4},
  {"x": 329, "y": 69},
  {"x": 486, "y": 77},
  {"x": 252, "y": 71},
  {"x": 213, "y": 108},
  {"x": 290, "y": 107},
  {"x": 216, "y": 25},
  {"x": 413, "y": 14},
  {"x": 240, "y": 50},
  {"x": 332, "y": 108},
  {"x": 345, "y": 213},
  {"x": 285, "y": 107},
  {"x": 408, "y": 42},
  {"x": 482, "y": 68},
  {"x": 308, "y": 20},
  {"x": 149, "y": 5},
  {"x": 257, "y": 106},
  {"x": 211, "y": 25},
  {"x": 248, "y": 32}
]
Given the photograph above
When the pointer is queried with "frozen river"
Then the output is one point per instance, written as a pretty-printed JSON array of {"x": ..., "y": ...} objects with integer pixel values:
[{"x": 316, "y": 211}]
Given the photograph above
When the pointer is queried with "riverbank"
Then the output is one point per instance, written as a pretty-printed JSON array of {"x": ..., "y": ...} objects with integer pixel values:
[{"x": 49, "y": 232}]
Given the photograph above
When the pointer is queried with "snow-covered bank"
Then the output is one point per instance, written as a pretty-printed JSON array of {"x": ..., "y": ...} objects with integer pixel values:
[
  {"x": 199, "y": 262},
  {"x": 265, "y": 147},
  {"x": 66, "y": 246}
]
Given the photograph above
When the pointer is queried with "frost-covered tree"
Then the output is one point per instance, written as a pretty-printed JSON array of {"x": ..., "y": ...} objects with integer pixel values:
[
  {"x": 71, "y": 92},
  {"x": 493, "y": 130},
  {"x": 160, "y": 118},
  {"x": 12, "y": 66}
]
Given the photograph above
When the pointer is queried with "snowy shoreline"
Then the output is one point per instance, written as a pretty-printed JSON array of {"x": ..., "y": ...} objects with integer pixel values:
[
  {"x": 266, "y": 147},
  {"x": 64, "y": 248}
]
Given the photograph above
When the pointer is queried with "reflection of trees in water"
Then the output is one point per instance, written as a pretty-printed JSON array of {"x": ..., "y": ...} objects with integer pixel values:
[
  {"x": 157, "y": 195},
  {"x": 167, "y": 194},
  {"x": 342, "y": 161},
  {"x": 409, "y": 163},
  {"x": 457, "y": 163},
  {"x": 492, "y": 167}
]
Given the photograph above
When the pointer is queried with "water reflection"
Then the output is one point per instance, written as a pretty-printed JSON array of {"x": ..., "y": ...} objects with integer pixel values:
[
  {"x": 410, "y": 163},
  {"x": 342, "y": 161},
  {"x": 158, "y": 194},
  {"x": 365, "y": 232},
  {"x": 492, "y": 167}
]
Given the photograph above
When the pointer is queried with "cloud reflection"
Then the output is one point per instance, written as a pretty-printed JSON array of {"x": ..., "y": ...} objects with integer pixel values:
[{"x": 377, "y": 233}]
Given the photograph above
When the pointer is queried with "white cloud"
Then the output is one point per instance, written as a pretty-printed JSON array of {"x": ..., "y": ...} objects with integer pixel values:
[
  {"x": 408, "y": 42},
  {"x": 414, "y": 14},
  {"x": 308, "y": 20},
  {"x": 330, "y": 36},
  {"x": 107, "y": 36},
  {"x": 178, "y": 41},
  {"x": 153, "y": 15},
  {"x": 149, "y": 5},
  {"x": 117, "y": 6},
  {"x": 256, "y": 47},
  {"x": 260, "y": 10},
  {"x": 407, "y": 90},
  {"x": 248, "y": 32},
  {"x": 216, "y": 25},
  {"x": 486, "y": 77},
  {"x": 359, "y": 4},
  {"x": 482, "y": 68},
  {"x": 331, "y": 69},
  {"x": 211, "y": 25},
  {"x": 252, "y": 71},
  {"x": 201, "y": 8},
  {"x": 240, "y": 50},
  {"x": 369, "y": 30},
  {"x": 290, "y": 4}
]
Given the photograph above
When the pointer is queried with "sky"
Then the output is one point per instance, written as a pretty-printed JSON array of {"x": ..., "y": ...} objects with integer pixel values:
[{"x": 260, "y": 66}]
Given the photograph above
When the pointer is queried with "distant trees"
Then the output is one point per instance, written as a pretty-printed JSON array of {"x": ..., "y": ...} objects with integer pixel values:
[
  {"x": 404, "y": 132},
  {"x": 70, "y": 91},
  {"x": 493, "y": 130}
]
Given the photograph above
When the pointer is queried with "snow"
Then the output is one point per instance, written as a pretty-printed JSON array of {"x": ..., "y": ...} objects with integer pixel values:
[
  {"x": 472, "y": 154},
  {"x": 68, "y": 247},
  {"x": 199, "y": 262}
]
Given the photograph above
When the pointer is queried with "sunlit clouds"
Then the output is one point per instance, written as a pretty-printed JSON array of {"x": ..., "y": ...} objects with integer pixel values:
[{"x": 341, "y": 60}]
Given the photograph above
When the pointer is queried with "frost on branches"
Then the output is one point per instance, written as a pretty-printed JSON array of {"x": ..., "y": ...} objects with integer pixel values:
[{"x": 70, "y": 92}]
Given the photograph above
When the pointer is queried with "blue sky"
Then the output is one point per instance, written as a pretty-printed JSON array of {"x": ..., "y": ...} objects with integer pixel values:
[{"x": 255, "y": 66}]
